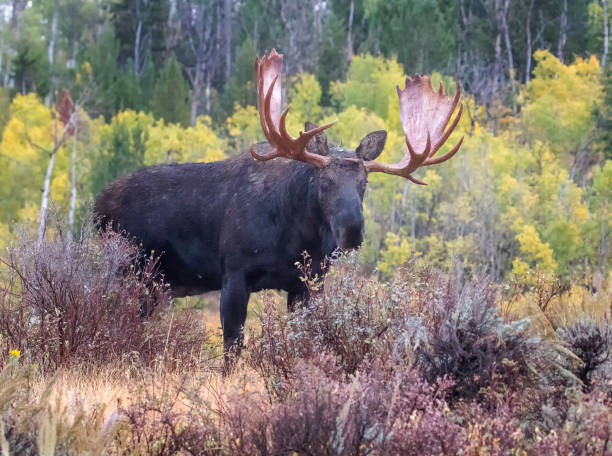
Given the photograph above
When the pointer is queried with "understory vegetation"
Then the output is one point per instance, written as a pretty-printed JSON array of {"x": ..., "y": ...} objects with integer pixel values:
[{"x": 427, "y": 363}]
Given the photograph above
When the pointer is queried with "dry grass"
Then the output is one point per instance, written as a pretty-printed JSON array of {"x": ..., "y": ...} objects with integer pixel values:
[{"x": 563, "y": 309}]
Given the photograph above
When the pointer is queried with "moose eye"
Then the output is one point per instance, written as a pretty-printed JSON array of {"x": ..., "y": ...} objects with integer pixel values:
[{"x": 326, "y": 183}]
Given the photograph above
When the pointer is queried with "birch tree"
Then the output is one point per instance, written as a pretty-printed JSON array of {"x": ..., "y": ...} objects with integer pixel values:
[
  {"x": 73, "y": 176},
  {"x": 200, "y": 26},
  {"x": 65, "y": 113},
  {"x": 606, "y": 30}
]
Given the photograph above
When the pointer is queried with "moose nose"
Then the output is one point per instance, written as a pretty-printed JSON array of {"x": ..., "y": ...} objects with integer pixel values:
[{"x": 350, "y": 235}]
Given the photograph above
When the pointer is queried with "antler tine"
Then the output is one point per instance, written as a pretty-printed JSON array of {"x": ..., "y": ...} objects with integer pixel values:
[
  {"x": 425, "y": 114},
  {"x": 273, "y": 123},
  {"x": 450, "y": 113}
]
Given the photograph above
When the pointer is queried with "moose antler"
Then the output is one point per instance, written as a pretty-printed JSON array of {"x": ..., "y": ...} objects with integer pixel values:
[
  {"x": 268, "y": 72},
  {"x": 425, "y": 114}
]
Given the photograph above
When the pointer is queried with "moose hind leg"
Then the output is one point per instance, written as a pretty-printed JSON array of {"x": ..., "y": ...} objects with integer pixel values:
[{"x": 234, "y": 301}]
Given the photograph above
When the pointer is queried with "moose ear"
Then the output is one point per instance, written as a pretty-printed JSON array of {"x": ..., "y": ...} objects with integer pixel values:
[
  {"x": 372, "y": 145},
  {"x": 318, "y": 144}
]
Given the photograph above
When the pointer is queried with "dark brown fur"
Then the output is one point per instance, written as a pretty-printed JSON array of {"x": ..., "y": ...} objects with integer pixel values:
[{"x": 240, "y": 225}]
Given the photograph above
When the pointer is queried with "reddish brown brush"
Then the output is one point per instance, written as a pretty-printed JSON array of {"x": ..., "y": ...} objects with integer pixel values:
[{"x": 67, "y": 301}]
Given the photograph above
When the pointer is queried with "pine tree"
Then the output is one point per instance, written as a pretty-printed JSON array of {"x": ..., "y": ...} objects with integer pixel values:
[
  {"x": 240, "y": 87},
  {"x": 171, "y": 95},
  {"x": 121, "y": 152}
]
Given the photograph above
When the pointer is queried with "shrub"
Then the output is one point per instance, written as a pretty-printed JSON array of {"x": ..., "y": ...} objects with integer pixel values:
[
  {"x": 346, "y": 320},
  {"x": 380, "y": 411},
  {"x": 422, "y": 320},
  {"x": 591, "y": 342},
  {"x": 65, "y": 301},
  {"x": 385, "y": 410},
  {"x": 587, "y": 428},
  {"x": 456, "y": 330},
  {"x": 272, "y": 352},
  {"x": 304, "y": 422}
]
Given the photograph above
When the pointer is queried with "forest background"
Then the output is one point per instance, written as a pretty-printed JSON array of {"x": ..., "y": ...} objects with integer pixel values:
[{"x": 156, "y": 81}]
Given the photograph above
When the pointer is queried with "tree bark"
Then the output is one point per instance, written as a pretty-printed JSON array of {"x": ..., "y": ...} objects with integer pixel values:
[
  {"x": 197, "y": 93},
  {"x": 137, "y": 47},
  {"x": 497, "y": 77},
  {"x": 227, "y": 17},
  {"x": 604, "y": 57},
  {"x": 52, "y": 40},
  {"x": 529, "y": 44},
  {"x": 349, "y": 35},
  {"x": 73, "y": 185},
  {"x": 207, "y": 94},
  {"x": 201, "y": 27},
  {"x": 302, "y": 22},
  {"x": 51, "y": 54},
  {"x": 464, "y": 16},
  {"x": 18, "y": 6},
  {"x": 603, "y": 247},
  {"x": 412, "y": 216},
  {"x": 502, "y": 25},
  {"x": 45, "y": 198},
  {"x": 100, "y": 21},
  {"x": 47, "y": 184},
  {"x": 393, "y": 210},
  {"x": 403, "y": 205},
  {"x": 504, "y": 21},
  {"x": 562, "y": 32}
]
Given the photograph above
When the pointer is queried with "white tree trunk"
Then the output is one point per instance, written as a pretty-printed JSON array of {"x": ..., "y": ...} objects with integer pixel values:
[
  {"x": 403, "y": 205},
  {"x": 393, "y": 210},
  {"x": 51, "y": 49},
  {"x": 412, "y": 216},
  {"x": 47, "y": 184},
  {"x": 197, "y": 93},
  {"x": 509, "y": 52},
  {"x": 137, "y": 47},
  {"x": 227, "y": 19},
  {"x": 207, "y": 94},
  {"x": 51, "y": 56},
  {"x": 349, "y": 35},
  {"x": 73, "y": 185},
  {"x": 45, "y": 197},
  {"x": 529, "y": 44},
  {"x": 604, "y": 57},
  {"x": 562, "y": 32}
]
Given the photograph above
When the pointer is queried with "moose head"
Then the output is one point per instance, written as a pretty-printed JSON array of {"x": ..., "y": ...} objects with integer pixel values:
[{"x": 343, "y": 173}]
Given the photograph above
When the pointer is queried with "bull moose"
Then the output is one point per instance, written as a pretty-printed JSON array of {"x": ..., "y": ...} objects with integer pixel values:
[{"x": 240, "y": 225}]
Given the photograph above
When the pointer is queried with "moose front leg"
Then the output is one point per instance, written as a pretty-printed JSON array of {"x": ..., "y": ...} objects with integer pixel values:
[
  {"x": 234, "y": 301},
  {"x": 295, "y": 297},
  {"x": 300, "y": 294}
]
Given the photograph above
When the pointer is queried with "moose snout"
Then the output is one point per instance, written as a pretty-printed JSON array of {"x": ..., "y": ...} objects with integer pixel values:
[
  {"x": 349, "y": 233},
  {"x": 351, "y": 237}
]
